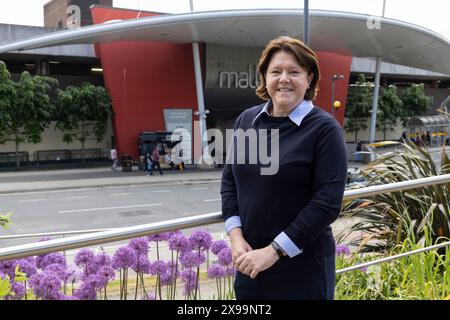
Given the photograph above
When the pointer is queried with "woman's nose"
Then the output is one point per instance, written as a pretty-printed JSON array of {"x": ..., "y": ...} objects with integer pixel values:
[{"x": 284, "y": 77}]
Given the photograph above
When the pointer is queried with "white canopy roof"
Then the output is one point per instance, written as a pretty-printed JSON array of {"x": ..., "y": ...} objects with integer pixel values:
[{"x": 339, "y": 32}]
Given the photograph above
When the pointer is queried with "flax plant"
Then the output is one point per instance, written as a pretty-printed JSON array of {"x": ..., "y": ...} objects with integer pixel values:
[
  {"x": 422, "y": 276},
  {"x": 384, "y": 221}
]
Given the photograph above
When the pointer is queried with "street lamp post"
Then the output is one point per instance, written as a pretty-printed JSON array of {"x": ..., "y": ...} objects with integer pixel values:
[{"x": 333, "y": 79}]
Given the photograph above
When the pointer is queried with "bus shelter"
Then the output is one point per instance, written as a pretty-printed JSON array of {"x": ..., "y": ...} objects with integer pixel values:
[{"x": 432, "y": 131}]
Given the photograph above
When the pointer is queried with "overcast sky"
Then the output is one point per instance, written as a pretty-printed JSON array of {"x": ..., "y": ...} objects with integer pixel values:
[{"x": 431, "y": 14}]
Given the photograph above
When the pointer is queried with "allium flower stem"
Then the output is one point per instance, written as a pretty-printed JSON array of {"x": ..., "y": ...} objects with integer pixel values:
[
  {"x": 106, "y": 296},
  {"x": 121, "y": 284},
  {"x": 175, "y": 279},
  {"x": 157, "y": 250},
  {"x": 125, "y": 272},
  {"x": 144, "y": 292},
  {"x": 218, "y": 286},
  {"x": 196, "y": 282},
  {"x": 137, "y": 279}
]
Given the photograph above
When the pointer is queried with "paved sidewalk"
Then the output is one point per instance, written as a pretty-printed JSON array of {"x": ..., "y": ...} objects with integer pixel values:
[{"x": 26, "y": 181}]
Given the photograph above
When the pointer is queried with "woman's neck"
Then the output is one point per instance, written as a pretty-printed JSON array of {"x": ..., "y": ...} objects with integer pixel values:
[{"x": 280, "y": 112}]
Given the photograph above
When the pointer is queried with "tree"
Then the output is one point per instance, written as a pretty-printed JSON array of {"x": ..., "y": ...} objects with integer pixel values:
[
  {"x": 83, "y": 114},
  {"x": 390, "y": 109},
  {"x": 29, "y": 112},
  {"x": 7, "y": 96},
  {"x": 415, "y": 102},
  {"x": 358, "y": 106}
]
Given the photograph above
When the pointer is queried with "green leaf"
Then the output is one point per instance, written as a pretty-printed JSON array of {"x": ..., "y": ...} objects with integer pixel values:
[{"x": 5, "y": 287}]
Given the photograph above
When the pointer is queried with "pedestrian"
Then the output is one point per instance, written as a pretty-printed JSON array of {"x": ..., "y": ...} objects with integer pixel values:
[
  {"x": 358, "y": 151},
  {"x": 148, "y": 164},
  {"x": 279, "y": 224},
  {"x": 114, "y": 158},
  {"x": 155, "y": 161},
  {"x": 168, "y": 159}
]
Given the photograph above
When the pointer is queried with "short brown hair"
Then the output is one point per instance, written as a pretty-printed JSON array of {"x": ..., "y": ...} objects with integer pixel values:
[{"x": 304, "y": 55}]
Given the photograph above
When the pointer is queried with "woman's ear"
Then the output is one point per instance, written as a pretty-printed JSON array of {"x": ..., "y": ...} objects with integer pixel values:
[{"x": 310, "y": 78}]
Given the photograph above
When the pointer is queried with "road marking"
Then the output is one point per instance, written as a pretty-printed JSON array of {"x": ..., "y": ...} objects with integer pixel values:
[
  {"x": 211, "y": 200},
  {"x": 120, "y": 194},
  {"x": 45, "y": 191},
  {"x": 159, "y": 191},
  {"x": 77, "y": 197},
  {"x": 198, "y": 189},
  {"x": 31, "y": 200},
  {"x": 111, "y": 208}
]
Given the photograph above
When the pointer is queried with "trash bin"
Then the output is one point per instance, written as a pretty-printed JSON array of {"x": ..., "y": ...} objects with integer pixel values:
[{"x": 127, "y": 163}]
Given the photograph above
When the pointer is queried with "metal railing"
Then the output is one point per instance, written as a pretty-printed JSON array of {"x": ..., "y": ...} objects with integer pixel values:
[{"x": 118, "y": 234}]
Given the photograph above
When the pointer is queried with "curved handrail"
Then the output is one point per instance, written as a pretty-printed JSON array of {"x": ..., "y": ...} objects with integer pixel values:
[{"x": 118, "y": 234}]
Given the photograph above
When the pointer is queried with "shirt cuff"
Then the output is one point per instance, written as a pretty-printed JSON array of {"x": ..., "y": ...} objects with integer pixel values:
[
  {"x": 287, "y": 245},
  {"x": 231, "y": 223}
]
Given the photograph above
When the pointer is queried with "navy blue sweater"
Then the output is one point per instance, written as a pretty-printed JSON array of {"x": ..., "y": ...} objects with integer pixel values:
[{"x": 305, "y": 195}]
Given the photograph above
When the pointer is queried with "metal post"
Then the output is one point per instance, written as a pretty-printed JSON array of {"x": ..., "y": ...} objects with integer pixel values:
[
  {"x": 305, "y": 22},
  {"x": 373, "y": 117},
  {"x": 199, "y": 88},
  {"x": 374, "y": 111},
  {"x": 332, "y": 95}
]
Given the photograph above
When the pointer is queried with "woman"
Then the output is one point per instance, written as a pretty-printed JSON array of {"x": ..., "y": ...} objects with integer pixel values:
[{"x": 279, "y": 225}]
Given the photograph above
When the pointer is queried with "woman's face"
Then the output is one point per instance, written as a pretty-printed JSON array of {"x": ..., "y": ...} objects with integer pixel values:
[{"x": 286, "y": 81}]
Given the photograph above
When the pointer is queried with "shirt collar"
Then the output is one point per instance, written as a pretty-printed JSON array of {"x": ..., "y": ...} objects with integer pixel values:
[{"x": 297, "y": 115}]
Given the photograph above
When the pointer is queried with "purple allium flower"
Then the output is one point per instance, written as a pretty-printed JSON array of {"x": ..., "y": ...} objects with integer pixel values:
[
  {"x": 230, "y": 270},
  {"x": 179, "y": 242},
  {"x": 27, "y": 266},
  {"x": 17, "y": 291},
  {"x": 191, "y": 258},
  {"x": 58, "y": 270},
  {"x": 96, "y": 281},
  {"x": 216, "y": 271},
  {"x": 63, "y": 297},
  {"x": 174, "y": 233},
  {"x": 200, "y": 239},
  {"x": 342, "y": 249},
  {"x": 218, "y": 245},
  {"x": 73, "y": 274},
  {"x": 188, "y": 259},
  {"x": 106, "y": 272},
  {"x": 45, "y": 285},
  {"x": 139, "y": 245},
  {"x": 123, "y": 258},
  {"x": 159, "y": 267},
  {"x": 167, "y": 277},
  {"x": 143, "y": 266},
  {"x": 84, "y": 258},
  {"x": 188, "y": 275},
  {"x": 224, "y": 256},
  {"x": 101, "y": 259},
  {"x": 3, "y": 276},
  {"x": 8, "y": 267},
  {"x": 85, "y": 292},
  {"x": 52, "y": 258},
  {"x": 159, "y": 237},
  {"x": 190, "y": 278}
]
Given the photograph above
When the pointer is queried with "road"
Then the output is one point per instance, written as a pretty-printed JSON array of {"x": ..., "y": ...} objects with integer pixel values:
[{"x": 106, "y": 207}]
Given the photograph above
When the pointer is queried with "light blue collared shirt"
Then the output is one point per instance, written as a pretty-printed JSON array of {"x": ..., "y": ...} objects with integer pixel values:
[{"x": 297, "y": 115}]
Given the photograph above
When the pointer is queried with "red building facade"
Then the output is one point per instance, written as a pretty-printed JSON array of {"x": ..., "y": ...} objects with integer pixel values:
[{"x": 146, "y": 77}]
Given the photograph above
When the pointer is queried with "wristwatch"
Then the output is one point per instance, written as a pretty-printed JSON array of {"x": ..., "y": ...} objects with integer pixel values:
[{"x": 278, "y": 249}]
